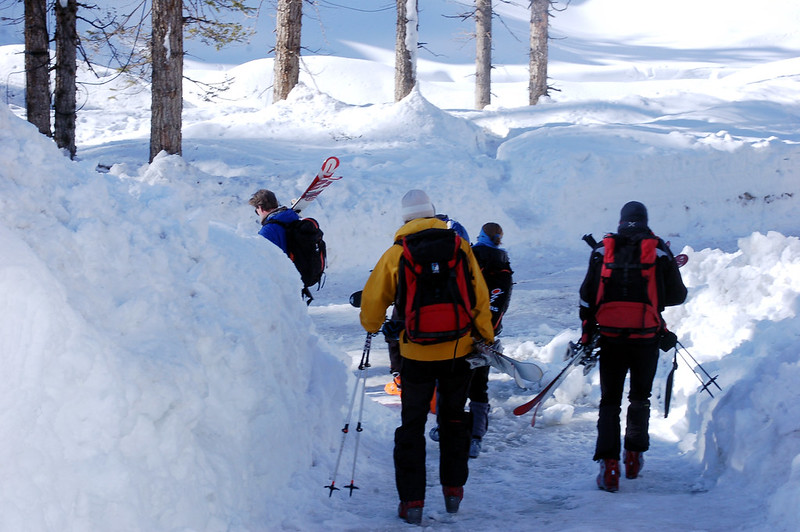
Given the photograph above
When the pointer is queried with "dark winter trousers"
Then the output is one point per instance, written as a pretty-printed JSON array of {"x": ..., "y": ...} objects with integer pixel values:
[
  {"x": 616, "y": 359},
  {"x": 418, "y": 381},
  {"x": 479, "y": 401}
]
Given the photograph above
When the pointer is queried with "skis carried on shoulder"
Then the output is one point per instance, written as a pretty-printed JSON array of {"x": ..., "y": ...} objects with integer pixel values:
[
  {"x": 321, "y": 181},
  {"x": 577, "y": 354}
]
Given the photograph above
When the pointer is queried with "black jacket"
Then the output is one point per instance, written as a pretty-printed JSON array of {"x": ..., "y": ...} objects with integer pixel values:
[
  {"x": 671, "y": 290},
  {"x": 497, "y": 273}
]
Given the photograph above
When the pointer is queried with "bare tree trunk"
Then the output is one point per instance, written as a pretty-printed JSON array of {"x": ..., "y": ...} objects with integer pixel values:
[
  {"x": 37, "y": 65},
  {"x": 66, "y": 69},
  {"x": 483, "y": 56},
  {"x": 537, "y": 86},
  {"x": 405, "y": 49},
  {"x": 167, "y": 85},
  {"x": 287, "y": 47}
]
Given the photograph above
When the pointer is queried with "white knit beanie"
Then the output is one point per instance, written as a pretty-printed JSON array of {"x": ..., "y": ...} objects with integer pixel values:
[{"x": 416, "y": 204}]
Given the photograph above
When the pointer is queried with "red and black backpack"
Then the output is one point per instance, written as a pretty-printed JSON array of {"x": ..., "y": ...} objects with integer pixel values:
[
  {"x": 435, "y": 296},
  {"x": 627, "y": 298}
]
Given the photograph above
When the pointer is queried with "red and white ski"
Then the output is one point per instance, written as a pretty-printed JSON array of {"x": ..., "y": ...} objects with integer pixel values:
[
  {"x": 576, "y": 354},
  {"x": 320, "y": 183}
]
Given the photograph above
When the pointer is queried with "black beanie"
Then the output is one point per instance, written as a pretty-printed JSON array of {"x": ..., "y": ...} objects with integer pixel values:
[{"x": 633, "y": 214}]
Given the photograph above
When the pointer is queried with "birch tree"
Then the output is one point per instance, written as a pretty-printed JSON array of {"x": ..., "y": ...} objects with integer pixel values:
[
  {"x": 537, "y": 85},
  {"x": 483, "y": 55},
  {"x": 405, "y": 64}
]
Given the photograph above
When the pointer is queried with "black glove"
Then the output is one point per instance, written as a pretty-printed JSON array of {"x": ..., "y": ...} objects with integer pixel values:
[
  {"x": 668, "y": 340},
  {"x": 391, "y": 329},
  {"x": 589, "y": 328}
]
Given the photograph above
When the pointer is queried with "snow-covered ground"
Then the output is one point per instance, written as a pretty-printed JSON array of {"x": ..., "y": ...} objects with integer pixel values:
[{"x": 162, "y": 373}]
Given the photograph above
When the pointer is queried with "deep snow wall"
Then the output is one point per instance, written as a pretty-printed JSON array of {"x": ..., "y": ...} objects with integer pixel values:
[{"x": 155, "y": 362}]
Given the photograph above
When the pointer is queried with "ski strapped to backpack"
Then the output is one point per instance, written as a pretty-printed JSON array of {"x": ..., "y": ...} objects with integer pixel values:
[
  {"x": 627, "y": 297},
  {"x": 307, "y": 250},
  {"x": 321, "y": 181},
  {"x": 304, "y": 243},
  {"x": 435, "y": 296}
]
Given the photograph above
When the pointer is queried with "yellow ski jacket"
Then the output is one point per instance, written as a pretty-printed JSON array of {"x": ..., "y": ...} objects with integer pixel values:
[{"x": 381, "y": 289}]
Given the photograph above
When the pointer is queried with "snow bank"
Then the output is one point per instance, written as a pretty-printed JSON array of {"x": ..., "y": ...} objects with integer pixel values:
[
  {"x": 734, "y": 184},
  {"x": 155, "y": 362},
  {"x": 742, "y": 323}
]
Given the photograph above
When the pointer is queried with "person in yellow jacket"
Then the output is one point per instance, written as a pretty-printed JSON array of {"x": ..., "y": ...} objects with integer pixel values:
[{"x": 424, "y": 367}]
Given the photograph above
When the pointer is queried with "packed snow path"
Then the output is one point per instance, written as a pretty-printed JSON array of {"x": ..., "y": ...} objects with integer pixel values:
[{"x": 526, "y": 478}]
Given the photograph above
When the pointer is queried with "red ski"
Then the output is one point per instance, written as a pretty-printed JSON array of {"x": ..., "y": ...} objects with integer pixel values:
[
  {"x": 320, "y": 183},
  {"x": 576, "y": 354}
]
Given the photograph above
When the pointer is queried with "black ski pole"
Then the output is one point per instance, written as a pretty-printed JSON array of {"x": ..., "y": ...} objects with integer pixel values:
[
  {"x": 711, "y": 380},
  {"x": 346, "y": 429}
]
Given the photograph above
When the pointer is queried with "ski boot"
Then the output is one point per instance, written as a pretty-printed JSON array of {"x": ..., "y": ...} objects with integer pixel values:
[
  {"x": 634, "y": 462},
  {"x": 452, "y": 498},
  {"x": 411, "y": 511},
  {"x": 608, "y": 479},
  {"x": 475, "y": 448}
]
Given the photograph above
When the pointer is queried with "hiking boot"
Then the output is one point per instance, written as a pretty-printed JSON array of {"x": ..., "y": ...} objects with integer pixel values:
[
  {"x": 634, "y": 462},
  {"x": 452, "y": 498},
  {"x": 434, "y": 433},
  {"x": 475, "y": 448},
  {"x": 411, "y": 511},
  {"x": 608, "y": 479}
]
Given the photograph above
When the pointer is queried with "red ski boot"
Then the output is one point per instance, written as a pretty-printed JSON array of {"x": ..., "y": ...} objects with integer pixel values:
[{"x": 608, "y": 479}]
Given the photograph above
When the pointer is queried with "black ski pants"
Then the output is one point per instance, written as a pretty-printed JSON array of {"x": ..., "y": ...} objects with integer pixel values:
[
  {"x": 418, "y": 379},
  {"x": 616, "y": 360},
  {"x": 479, "y": 387}
]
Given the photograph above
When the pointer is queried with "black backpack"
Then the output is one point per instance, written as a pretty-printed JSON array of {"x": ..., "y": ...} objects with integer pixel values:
[
  {"x": 497, "y": 273},
  {"x": 308, "y": 251},
  {"x": 434, "y": 295}
]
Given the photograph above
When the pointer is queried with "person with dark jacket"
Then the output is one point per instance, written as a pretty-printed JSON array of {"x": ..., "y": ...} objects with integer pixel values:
[
  {"x": 425, "y": 366},
  {"x": 268, "y": 210},
  {"x": 497, "y": 272},
  {"x": 632, "y": 277}
]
